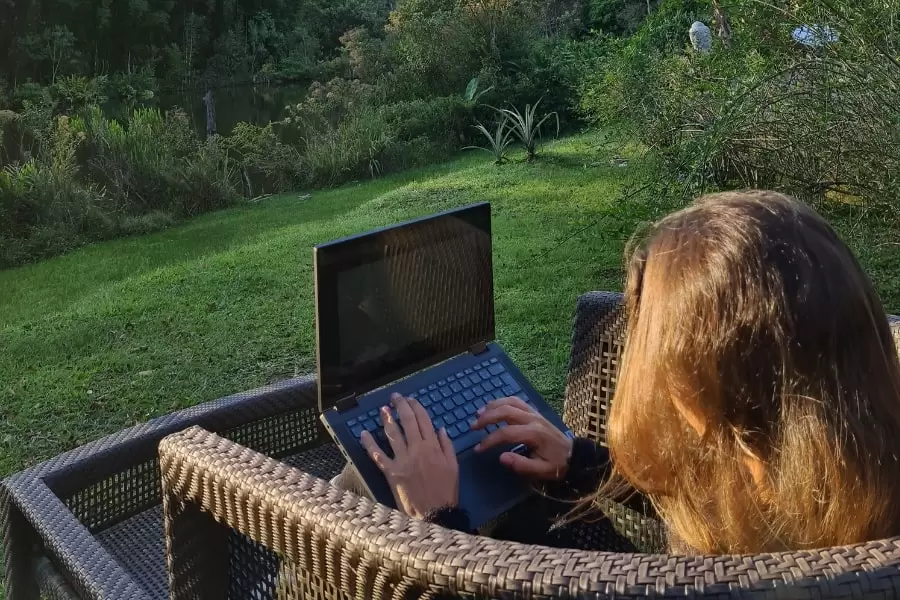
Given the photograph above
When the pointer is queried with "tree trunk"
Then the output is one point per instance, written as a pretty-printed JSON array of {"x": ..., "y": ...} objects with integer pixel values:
[{"x": 210, "y": 114}]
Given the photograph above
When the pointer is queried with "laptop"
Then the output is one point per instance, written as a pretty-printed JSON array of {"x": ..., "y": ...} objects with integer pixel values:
[{"x": 409, "y": 309}]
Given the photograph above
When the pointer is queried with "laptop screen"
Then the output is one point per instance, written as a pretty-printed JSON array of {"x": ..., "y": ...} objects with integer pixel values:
[{"x": 397, "y": 300}]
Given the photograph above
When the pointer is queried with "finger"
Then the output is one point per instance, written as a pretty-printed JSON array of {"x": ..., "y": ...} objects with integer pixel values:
[
  {"x": 375, "y": 453},
  {"x": 511, "y": 434},
  {"x": 529, "y": 467},
  {"x": 393, "y": 433},
  {"x": 426, "y": 427},
  {"x": 447, "y": 446},
  {"x": 408, "y": 419},
  {"x": 513, "y": 415},
  {"x": 511, "y": 401}
]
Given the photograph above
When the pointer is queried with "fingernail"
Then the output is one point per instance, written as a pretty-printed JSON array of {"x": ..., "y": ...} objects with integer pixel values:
[
  {"x": 385, "y": 410},
  {"x": 506, "y": 459},
  {"x": 480, "y": 411},
  {"x": 477, "y": 447},
  {"x": 395, "y": 396}
]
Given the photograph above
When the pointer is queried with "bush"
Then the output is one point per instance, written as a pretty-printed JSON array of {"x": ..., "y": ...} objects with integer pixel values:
[
  {"x": 764, "y": 112},
  {"x": 266, "y": 164},
  {"x": 44, "y": 208}
]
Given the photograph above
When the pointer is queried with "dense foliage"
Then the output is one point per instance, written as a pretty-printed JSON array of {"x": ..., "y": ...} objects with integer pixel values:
[
  {"x": 819, "y": 120},
  {"x": 400, "y": 84}
]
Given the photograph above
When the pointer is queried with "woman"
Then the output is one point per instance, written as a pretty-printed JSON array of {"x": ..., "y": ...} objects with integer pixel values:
[{"x": 758, "y": 402}]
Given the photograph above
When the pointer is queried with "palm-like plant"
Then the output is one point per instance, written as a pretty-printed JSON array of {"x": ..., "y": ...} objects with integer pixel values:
[
  {"x": 498, "y": 140},
  {"x": 527, "y": 127}
]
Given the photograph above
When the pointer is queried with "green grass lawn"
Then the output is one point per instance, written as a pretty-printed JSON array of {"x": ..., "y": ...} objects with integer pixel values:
[{"x": 120, "y": 332}]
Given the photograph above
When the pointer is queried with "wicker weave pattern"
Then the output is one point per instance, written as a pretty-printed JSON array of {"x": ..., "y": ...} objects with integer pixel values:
[
  {"x": 69, "y": 506},
  {"x": 597, "y": 342},
  {"x": 368, "y": 551}
]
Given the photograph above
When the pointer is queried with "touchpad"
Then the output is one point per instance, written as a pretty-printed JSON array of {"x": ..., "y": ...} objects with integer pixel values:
[{"x": 487, "y": 489}]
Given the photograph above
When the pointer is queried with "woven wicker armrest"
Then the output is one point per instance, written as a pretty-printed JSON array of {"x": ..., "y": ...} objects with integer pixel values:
[
  {"x": 242, "y": 525},
  {"x": 95, "y": 511}
]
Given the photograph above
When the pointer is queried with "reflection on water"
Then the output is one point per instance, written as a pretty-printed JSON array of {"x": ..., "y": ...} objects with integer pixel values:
[{"x": 254, "y": 104}]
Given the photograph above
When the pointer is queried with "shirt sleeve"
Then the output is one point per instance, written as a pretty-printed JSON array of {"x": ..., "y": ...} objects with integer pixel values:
[{"x": 450, "y": 517}]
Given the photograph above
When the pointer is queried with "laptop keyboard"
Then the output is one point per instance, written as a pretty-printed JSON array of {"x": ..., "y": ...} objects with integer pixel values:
[{"x": 452, "y": 403}]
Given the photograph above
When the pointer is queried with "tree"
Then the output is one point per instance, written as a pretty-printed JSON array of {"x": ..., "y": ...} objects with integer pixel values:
[{"x": 55, "y": 46}]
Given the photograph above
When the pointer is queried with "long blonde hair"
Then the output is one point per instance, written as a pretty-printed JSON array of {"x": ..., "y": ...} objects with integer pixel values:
[{"x": 747, "y": 311}]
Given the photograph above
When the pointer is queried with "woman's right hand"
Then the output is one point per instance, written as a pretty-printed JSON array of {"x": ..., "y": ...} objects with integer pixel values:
[{"x": 549, "y": 448}]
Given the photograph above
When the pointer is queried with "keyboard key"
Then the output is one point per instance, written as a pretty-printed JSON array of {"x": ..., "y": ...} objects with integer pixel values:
[
  {"x": 475, "y": 378},
  {"x": 495, "y": 369},
  {"x": 373, "y": 412},
  {"x": 453, "y": 432},
  {"x": 370, "y": 425},
  {"x": 480, "y": 403},
  {"x": 446, "y": 392},
  {"x": 497, "y": 394},
  {"x": 491, "y": 428},
  {"x": 463, "y": 427},
  {"x": 460, "y": 375},
  {"x": 448, "y": 404},
  {"x": 459, "y": 413},
  {"x": 435, "y": 396},
  {"x": 487, "y": 385},
  {"x": 508, "y": 391},
  {"x": 470, "y": 409},
  {"x": 422, "y": 392},
  {"x": 508, "y": 379},
  {"x": 438, "y": 423},
  {"x": 478, "y": 390},
  {"x": 486, "y": 363},
  {"x": 467, "y": 440},
  {"x": 459, "y": 400},
  {"x": 356, "y": 430},
  {"x": 494, "y": 361},
  {"x": 466, "y": 382},
  {"x": 426, "y": 401},
  {"x": 451, "y": 378},
  {"x": 523, "y": 397},
  {"x": 468, "y": 371},
  {"x": 351, "y": 423},
  {"x": 432, "y": 387},
  {"x": 497, "y": 382},
  {"x": 438, "y": 409},
  {"x": 468, "y": 395},
  {"x": 412, "y": 396},
  {"x": 442, "y": 382},
  {"x": 456, "y": 387}
]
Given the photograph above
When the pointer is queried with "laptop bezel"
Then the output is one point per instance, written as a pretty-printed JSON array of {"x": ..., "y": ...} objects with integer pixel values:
[{"x": 411, "y": 368}]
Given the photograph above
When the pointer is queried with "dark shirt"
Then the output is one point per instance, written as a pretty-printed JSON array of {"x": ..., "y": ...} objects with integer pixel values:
[{"x": 542, "y": 519}]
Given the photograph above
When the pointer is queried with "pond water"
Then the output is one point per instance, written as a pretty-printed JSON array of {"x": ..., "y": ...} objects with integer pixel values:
[{"x": 254, "y": 104}]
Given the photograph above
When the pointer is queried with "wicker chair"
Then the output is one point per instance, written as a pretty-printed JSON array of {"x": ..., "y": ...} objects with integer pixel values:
[{"x": 242, "y": 525}]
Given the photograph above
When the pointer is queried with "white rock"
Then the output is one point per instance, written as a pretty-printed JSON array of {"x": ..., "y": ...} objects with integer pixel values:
[{"x": 701, "y": 37}]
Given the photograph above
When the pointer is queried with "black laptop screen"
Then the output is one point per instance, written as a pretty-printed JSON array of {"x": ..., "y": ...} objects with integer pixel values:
[{"x": 396, "y": 300}]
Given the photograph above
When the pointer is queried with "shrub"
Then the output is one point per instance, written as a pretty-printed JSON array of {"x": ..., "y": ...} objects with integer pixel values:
[
  {"x": 764, "y": 112},
  {"x": 266, "y": 164},
  {"x": 204, "y": 181},
  {"x": 138, "y": 159},
  {"x": 526, "y": 126},
  {"x": 44, "y": 208}
]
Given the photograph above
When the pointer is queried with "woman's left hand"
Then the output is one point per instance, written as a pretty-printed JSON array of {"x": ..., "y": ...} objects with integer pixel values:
[{"x": 424, "y": 473}]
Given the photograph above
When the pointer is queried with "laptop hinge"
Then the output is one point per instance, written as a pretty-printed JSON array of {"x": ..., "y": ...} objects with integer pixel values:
[
  {"x": 346, "y": 403},
  {"x": 479, "y": 348}
]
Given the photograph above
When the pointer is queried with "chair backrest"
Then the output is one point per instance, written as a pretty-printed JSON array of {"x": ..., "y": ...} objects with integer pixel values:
[
  {"x": 598, "y": 340},
  {"x": 241, "y": 525}
]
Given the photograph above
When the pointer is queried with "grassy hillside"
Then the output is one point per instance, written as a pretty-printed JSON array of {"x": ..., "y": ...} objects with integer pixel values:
[{"x": 120, "y": 332}]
